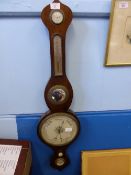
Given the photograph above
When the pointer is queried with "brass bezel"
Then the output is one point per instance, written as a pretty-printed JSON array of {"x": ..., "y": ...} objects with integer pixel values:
[
  {"x": 51, "y": 115},
  {"x": 57, "y": 10}
]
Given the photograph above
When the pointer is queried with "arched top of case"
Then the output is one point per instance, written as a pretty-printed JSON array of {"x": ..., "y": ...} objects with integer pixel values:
[{"x": 61, "y": 28}]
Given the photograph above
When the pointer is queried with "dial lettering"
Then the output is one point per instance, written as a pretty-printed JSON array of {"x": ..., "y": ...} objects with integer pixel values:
[{"x": 59, "y": 129}]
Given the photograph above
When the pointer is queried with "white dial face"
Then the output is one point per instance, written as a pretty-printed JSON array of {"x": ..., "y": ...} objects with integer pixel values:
[
  {"x": 57, "y": 17},
  {"x": 59, "y": 129}
]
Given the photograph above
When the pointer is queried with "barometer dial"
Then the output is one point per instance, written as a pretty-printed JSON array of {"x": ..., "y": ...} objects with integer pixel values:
[{"x": 59, "y": 129}]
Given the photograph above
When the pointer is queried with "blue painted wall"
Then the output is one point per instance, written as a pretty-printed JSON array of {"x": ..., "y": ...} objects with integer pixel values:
[{"x": 99, "y": 130}]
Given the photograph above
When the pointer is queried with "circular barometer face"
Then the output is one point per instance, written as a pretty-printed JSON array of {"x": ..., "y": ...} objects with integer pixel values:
[
  {"x": 59, "y": 129},
  {"x": 57, "y": 17}
]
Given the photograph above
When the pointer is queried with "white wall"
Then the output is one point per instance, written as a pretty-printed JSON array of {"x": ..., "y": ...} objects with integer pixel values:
[{"x": 25, "y": 59}]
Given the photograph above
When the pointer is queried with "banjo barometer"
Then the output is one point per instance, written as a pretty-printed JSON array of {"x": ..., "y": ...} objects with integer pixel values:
[{"x": 60, "y": 126}]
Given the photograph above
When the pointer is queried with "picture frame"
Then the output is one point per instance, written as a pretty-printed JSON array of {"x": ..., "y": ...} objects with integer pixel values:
[
  {"x": 118, "y": 50},
  {"x": 106, "y": 162}
]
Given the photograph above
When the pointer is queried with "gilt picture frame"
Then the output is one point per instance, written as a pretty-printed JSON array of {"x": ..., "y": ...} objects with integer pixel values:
[
  {"x": 106, "y": 162},
  {"x": 118, "y": 50}
]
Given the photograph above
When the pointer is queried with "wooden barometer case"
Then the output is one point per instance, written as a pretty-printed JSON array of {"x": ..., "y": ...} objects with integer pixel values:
[{"x": 59, "y": 127}]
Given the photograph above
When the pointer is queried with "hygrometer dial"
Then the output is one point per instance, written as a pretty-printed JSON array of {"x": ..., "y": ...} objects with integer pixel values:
[{"x": 57, "y": 16}]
